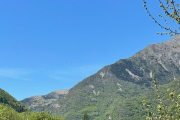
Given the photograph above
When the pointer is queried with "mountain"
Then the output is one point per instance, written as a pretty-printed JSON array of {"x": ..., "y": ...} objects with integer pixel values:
[
  {"x": 7, "y": 99},
  {"x": 100, "y": 94},
  {"x": 37, "y": 103}
]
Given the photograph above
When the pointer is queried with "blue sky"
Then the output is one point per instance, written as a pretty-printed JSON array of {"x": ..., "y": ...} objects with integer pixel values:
[{"x": 51, "y": 45}]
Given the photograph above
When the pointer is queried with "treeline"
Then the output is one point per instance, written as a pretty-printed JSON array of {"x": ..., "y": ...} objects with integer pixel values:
[{"x": 8, "y": 113}]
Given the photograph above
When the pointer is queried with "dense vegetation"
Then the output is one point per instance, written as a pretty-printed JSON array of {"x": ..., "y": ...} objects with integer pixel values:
[{"x": 8, "y": 113}]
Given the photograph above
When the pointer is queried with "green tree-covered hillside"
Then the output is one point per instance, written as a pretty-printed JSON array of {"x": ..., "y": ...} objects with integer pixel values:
[
  {"x": 11, "y": 101},
  {"x": 8, "y": 113}
]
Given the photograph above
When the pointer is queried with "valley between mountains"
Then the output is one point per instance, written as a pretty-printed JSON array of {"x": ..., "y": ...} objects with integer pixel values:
[{"x": 116, "y": 91}]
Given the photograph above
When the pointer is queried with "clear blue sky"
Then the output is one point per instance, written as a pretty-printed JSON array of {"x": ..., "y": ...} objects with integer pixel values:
[{"x": 50, "y": 45}]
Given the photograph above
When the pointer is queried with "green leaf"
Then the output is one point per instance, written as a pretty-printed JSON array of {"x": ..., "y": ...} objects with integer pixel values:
[
  {"x": 147, "y": 106},
  {"x": 144, "y": 102},
  {"x": 150, "y": 114},
  {"x": 171, "y": 95},
  {"x": 179, "y": 96}
]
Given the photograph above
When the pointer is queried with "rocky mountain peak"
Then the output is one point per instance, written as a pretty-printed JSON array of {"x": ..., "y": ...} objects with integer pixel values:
[{"x": 33, "y": 102}]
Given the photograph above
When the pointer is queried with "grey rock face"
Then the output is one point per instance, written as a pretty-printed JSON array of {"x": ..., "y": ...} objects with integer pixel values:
[{"x": 38, "y": 102}]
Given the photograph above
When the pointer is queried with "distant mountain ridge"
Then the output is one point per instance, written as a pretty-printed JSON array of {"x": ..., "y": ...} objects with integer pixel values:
[
  {"x": 99, "y": 94},
  {"x": 44, "y": 100}
]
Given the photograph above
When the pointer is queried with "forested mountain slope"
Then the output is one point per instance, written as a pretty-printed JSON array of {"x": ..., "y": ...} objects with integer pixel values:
[{"x": 5, "y": 98}]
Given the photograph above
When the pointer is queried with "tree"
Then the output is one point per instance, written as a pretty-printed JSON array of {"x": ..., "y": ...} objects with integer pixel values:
[
  {"x": 164, "y": 112},
  {"x": 170, "y": 112},
  {"x": 85, "y": 117},
  {"x": 171, "y": 10}
]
